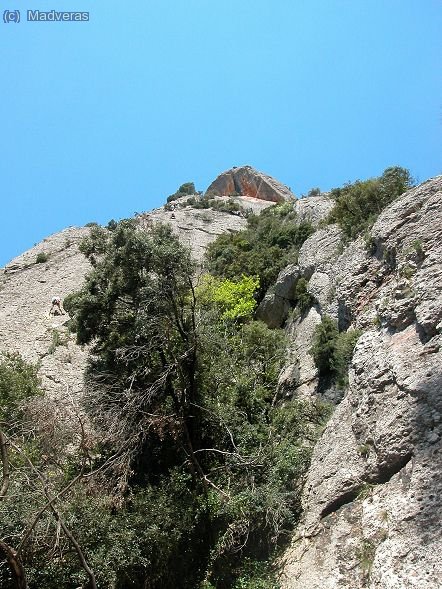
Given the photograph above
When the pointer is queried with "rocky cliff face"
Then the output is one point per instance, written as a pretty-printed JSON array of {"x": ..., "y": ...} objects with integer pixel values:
[{"x": 372, "y": 498}]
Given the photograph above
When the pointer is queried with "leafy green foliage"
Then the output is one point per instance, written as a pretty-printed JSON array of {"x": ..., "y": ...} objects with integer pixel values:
[
  {"x": 18, "y": 382},
  {"x": 183, "y": 190},
  {"x": 232, "y": 300},
  {"x": 264, "y": 444},
  {"x": 359, "y": 204},
  {"x": 332, "y": 351},
  {"x": 304, "y": 300},
  {"x": 218, "y": 204},
  {"x": 182, "y": 385},
  {"x": 270, "y": 241}
]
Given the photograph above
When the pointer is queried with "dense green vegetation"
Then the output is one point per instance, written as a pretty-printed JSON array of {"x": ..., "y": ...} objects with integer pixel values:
[
  {"x": 191, "y": 474},
  {"x": 270, "y": 242},
  {"x": 358, "y": 204},
  {"x": 332, "y": 351},
  {"x": 18, "y": 382},
  {"x": 194, "y": 473}
]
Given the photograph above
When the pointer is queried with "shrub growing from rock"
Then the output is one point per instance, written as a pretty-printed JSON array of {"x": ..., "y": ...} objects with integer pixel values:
[
  {"x": 358, "y": 204},
  {"x": 332, "y": 351},
  {"x": 41, "y": 258},
  {"x": 270, "y": 241},
  {"x": 183, "y": 190}
]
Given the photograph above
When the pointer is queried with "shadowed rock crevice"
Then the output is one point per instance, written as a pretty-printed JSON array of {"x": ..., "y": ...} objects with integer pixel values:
[
  {"x": 383, "y": 477},
  {"x": 340, "y": 501}
]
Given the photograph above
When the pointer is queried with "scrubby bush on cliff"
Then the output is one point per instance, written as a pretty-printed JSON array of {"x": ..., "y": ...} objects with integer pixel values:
[
  {"x": 41, "y": 258},
  {"x": 332, "y": 351},
  {"x": 18, "y": 382},
  {"x": 183, "y": 190},
  {"x": 218, "y": 204},
  {"x": 304, "y": 300},
  {"x": 357, "y": 205},
  {"x": 270, "y": 241}
]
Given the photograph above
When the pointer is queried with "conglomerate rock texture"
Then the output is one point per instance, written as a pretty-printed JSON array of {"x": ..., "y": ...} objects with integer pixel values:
[
  {"x": 246, "y": 181},
  {"x": 373, "y": 495}
]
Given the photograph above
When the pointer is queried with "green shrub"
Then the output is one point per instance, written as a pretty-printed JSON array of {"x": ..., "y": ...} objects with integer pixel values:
[
  {"x": 358, "y": 205},
  {"x": 233, "y": 300},
  {"x": 18, "y": 382},
  {"x": 217, "y": 204},
  {"x": 332, "y": 351},
  {"x": 304, "y": 300},
  {"x": 186, "y": 188},
  {"x": 41, "y": 258},
  {"x": 57, "y": 340},
  {"x": 365, "y": 553}
]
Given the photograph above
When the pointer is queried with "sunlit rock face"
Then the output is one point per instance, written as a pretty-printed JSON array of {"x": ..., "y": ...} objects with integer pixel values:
[
  {"x": 373, "y": 494},
  {"x": 246, "y": 181}
]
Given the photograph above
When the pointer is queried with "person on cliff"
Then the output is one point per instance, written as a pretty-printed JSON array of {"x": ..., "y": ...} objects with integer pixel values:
[{"x": 56, "y": 307}]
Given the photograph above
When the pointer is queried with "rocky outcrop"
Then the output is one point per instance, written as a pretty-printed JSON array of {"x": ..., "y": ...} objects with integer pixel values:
[
  {"x": 300, "y": 375},
  {"x": 196, "y": 228},
  {"x": 314, "y": 209},
  {"x": 373, "y": 496},
  {"x": 246, "y": 181},
  {"x": 276, "y": 304}
]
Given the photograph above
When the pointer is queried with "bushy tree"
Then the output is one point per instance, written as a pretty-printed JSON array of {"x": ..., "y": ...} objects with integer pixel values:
[
  {"x": 184, "y": 190},
  {"x": 182, "y": 383},
  {"x": 357, "y": 205}
]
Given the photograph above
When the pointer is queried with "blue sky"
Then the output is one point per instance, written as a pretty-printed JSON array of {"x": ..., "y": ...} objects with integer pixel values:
[{"x": 105, "y": 118}]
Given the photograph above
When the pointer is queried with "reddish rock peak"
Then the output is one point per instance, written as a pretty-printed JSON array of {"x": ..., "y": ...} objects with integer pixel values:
[{"x": 246, "y": 181}]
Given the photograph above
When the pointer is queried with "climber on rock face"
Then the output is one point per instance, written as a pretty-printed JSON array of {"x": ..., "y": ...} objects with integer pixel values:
[{"x": 56, "y": 307}]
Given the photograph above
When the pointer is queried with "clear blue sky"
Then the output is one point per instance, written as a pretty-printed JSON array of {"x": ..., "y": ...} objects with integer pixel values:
[{"x": 105, "y": 118}]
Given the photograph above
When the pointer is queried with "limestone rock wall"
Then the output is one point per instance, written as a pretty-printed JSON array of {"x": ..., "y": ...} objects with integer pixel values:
[{"x": 373, "y": 496}]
